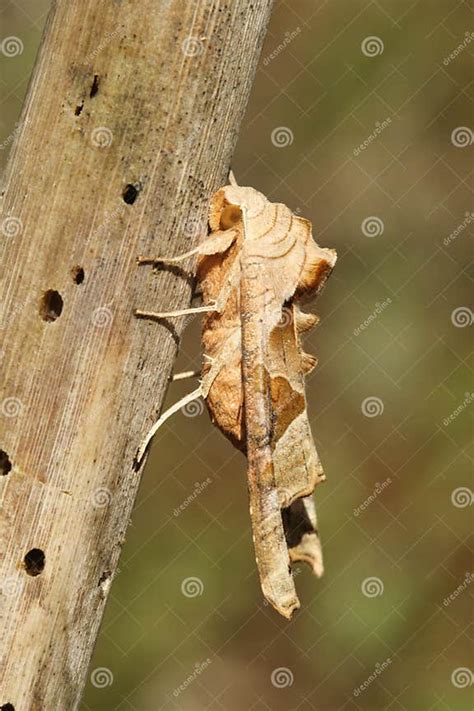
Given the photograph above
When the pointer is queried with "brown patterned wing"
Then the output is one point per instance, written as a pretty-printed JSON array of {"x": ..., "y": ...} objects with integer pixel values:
[
  {"x": 297, "y": 468},
  {"x": 253, "y": 375},
  {"x": 221, "y": 342}
]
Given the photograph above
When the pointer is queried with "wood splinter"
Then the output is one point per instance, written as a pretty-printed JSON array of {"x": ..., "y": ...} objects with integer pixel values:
[{"x": 259, "y": 262}]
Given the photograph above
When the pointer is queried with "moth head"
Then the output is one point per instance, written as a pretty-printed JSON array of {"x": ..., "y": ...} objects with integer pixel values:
[
  {"x": 226, "y": 206},
  {"x": 223, "y": 214}
]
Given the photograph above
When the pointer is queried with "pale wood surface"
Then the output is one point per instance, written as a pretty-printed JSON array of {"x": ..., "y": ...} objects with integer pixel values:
[{"x": 79, "y": 393}]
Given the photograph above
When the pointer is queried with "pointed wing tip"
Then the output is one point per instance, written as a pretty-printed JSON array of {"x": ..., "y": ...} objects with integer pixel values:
[
  {"x": 285, "y": 609},
  {"x": 283, "y": 597}
]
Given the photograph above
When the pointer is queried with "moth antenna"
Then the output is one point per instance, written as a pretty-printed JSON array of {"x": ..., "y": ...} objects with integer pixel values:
[
  {"x": 174, "y": 408},
  {"x": 232, "y": 179}
]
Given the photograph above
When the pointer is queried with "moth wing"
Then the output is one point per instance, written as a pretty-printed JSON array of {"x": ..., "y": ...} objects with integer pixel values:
[
  {"x": 222, "y": 379},
  {"x": 301, "y": 531},
  {"x": 296, "y": 265},
  {"x": 284, "y": 264},
  {"x": 221, "y": 340},
  {"x": 297, "y": 466}
]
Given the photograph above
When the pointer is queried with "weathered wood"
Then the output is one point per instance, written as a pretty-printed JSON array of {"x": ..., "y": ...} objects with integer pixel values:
[{"x": 128, "y": 128}]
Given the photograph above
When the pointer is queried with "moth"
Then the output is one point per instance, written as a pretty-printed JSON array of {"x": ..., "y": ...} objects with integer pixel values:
[{"x": 255, "y": 269}]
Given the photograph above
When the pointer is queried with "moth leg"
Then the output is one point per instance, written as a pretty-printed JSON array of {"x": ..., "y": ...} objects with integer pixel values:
[
  {"x": 167, "y": 260},
  {"x": 172, "y": 314},
  {"x": 186, "y": 374},
  {"x": 174, "y": 408},
  {"x": 215, "y": 244},
  {"x": 213, "y": 306}
]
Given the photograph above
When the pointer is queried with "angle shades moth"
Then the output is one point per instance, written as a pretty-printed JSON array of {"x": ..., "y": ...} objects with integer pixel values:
[{"x": 257, "y": 265}]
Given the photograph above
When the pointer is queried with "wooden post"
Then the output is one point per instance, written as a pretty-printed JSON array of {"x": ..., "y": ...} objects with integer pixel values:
[{"x": 128, "y": 128}]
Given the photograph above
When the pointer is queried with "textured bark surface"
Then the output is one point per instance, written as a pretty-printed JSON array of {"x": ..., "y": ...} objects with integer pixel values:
[{"x": 128, "y": 128}]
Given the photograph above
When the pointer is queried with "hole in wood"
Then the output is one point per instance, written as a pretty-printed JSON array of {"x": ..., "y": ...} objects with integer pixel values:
[
  {"x": 104, "y": 577},
  {"x": 34, "y": 561},
  {"x": 77, "y": 274},
  {"x": 78, "y": 109},
  {"x": 7, "y": 707},
  {"x": 5, "y": 463},
  {"x": 130, "y": 194},
  {"x": 95, "y": 86},
  {"x": 51, "y": 305}
]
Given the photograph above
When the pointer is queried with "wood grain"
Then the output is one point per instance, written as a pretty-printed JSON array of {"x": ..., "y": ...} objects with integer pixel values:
[{"x": 128, "y": 128}]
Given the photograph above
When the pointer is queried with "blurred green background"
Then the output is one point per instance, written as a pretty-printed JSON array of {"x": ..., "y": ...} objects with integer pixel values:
[{"x": 360, "y": 120}]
